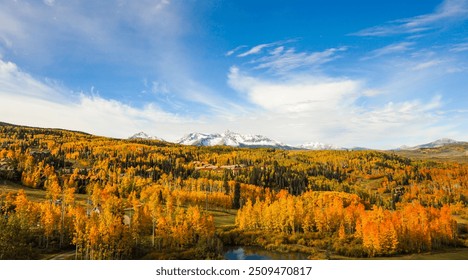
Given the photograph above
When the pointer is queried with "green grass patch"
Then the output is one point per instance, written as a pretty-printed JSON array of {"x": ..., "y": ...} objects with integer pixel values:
[
  {"x": 7, "y": 186},
  {"x": 223, "y": 218}
]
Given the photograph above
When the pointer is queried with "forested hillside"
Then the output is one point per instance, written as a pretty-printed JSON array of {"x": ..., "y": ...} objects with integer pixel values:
[{"x": 125, "y": 199}]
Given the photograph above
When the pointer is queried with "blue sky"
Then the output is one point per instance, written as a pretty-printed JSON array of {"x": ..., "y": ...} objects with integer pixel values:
[{"x": 378, "y": 74}]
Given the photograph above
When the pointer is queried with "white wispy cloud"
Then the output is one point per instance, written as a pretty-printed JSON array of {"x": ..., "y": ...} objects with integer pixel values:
[
  {"x": 390, "y": 49},
  {"x": 231, "y": 52},
  {"x": 257, "y": 49},
  {"x": 14, "y": 80},
  {"x": 281, "y": 59},
  {"x": 284, "y": 60},
  {"x": 461, "y": 47},
  {"x": 427, "y": 64},
  {"x": 447, "y": 12},
  {"x": 403, "y": 113}
]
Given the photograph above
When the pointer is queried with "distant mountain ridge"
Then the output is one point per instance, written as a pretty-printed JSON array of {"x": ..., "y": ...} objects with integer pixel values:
[
  {"x": 143, "y": 136},
  {"x": 435, "y": 144},
  {"x": 229, "y": 138},
  {"x": 319, "y": 146},
  {"x": 233, "y": 139}
]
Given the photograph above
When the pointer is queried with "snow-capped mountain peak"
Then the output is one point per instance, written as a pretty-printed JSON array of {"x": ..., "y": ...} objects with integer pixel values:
[
  {"x": 443, "y": 141},
  {"x": 435, "y": 144},
  {"x": 319, "y": 146},
  {"x": 229, "y": 138},
  {"x": 142, "y": 135}
]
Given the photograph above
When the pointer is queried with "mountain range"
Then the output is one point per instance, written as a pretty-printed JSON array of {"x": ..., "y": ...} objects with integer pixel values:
[
  {"x": 143, "y": 136},
  {"x": 230, "y": 138},
  {"x": 233, "y": 139},
  {"x": 435, "y": 144},
  {"x": 318, "y": 146}
]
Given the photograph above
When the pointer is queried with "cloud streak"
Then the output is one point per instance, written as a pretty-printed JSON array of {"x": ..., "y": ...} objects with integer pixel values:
[
  {"x": 231, "y": 52},
  {"x": 255, "y": 50},
  {"x": 462, "y": 47},
  {"x": 448, "y": 12},
  {"x": 390, "y": 49},
  {"x": 284, "y": 60},
  {"x": 259, "y": 48},
  {"x": 427, "y": 64}
]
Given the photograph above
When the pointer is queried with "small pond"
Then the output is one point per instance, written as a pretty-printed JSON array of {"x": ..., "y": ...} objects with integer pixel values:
[{"x": 258, "y": 253}]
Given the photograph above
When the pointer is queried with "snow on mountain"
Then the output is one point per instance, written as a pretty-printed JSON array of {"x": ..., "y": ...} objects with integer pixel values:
[
  {"x": 230, "y": 138},
  {"x": 144, "y": 136},
  {"x": 434, "y": 144},
  {"x": 319, "y": 146},
  {"x": 233, "y": 139},
  {"x": 200, "y": 139}
]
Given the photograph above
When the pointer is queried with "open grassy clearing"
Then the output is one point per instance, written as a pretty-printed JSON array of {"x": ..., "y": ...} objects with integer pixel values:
[
  {"x": 33, "y": 194},
  {"x": 223, "y": 218}
]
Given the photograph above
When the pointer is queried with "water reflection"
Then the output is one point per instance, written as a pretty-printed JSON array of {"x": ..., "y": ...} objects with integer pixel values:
[
  {"x": 240, "y": 254},
  {"x": 258, "y": 253}
]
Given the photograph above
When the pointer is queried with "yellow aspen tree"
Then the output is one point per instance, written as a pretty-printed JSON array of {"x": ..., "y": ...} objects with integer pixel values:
[
  {"x": 299, "y": 213},
  {"x": 241, "y": 222},
  {"x": 50, "y": 220},
  {"x": 291, "y": 214},
  {"x": 341, "y": 232},
  {"x": 388, "y": 238},
  {"x": 79, "y": 232},
  {"x": 307, "y": 223},
  {"x": 24, "y": 209},
  {"x": 135, "y": 217},
  {"x": 53, "y": 189}
]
